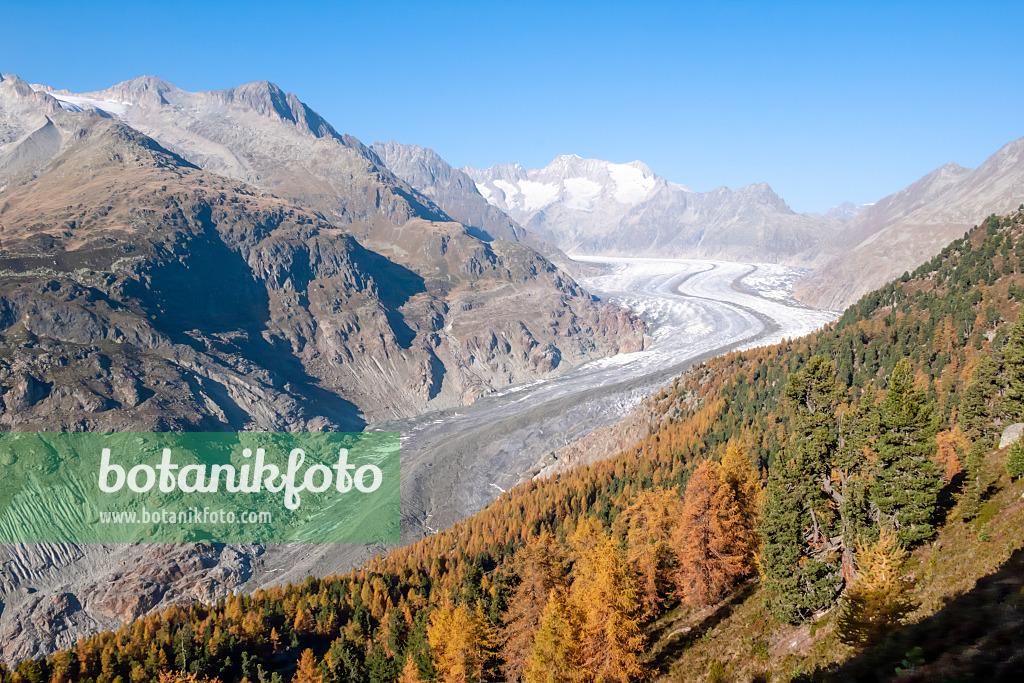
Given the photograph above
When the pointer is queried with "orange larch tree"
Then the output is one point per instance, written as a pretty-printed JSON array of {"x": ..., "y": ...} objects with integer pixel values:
[{"x": 713, "y": 543}]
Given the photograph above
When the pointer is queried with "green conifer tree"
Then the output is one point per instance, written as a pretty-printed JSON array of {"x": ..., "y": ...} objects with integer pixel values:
[
  {"x": 1013, "y": 360},
  {"x": 857, "y": 431},
  {"x": 801, "y": 537},
  {"x": 792, "y": 579},
  {"x": 1015, "y": 460},
  {"x": 907, "y": 482}
]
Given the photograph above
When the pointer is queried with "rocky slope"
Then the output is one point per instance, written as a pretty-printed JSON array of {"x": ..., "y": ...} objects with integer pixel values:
[
  {"x": 142, "y": 292},
  {"x": 456, "y": 194},
  {"x": 905, "y": 229},
  {"x": 453, "y": 316},
  {"x": 592, "y": 206}
]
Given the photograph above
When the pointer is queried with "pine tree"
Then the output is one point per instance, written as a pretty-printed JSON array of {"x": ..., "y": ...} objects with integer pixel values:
[
  {"x": 877, "y": 600},
  {"x": 977, "y": 406},
  {"x": 419, "y": 646},
  {"x": 1013, "y": 359},
  {"x": 714, "y": 544},
  {"x": 797, "y": 585},
  {"x": 1015, "y": 460},
  {"x": 906, "y": 485},
  {"x": 852, "y": 473},
  {"x": 344, "y": 661},
  {"x": 801, "y": 529},
  {"x": 974, "y": 486},
  {"x": 813, "y": 398}
]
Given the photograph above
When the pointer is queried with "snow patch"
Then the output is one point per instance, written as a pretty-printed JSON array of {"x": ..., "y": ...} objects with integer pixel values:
[
  {"x": 774, "y": 281},
  {"x": 485, "y": 191},
  {"x": 509, "y": 190},
  {"x": 79, "y": 103},
  {"x": 582, "y": 193},
  {"x": 631, "y": 184},
  {"x": 537, "y": 195}
]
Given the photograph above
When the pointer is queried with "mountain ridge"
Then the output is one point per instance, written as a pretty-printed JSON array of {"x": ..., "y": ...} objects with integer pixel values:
[
  {"x": 457, "y": 195},
  {"x": 593, "y": 206},
  {"x": 902, "y": 230}
]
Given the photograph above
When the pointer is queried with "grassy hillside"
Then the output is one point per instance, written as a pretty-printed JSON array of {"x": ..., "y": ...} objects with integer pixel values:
[
  {"x": 969, "y": 588},
  {"x": 647, "y": 564}
]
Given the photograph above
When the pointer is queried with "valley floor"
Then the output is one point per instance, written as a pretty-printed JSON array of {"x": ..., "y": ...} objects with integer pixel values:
[{"x": 455, "y": 462}]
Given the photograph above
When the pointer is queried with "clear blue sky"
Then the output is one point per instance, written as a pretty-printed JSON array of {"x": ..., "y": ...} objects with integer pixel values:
[{"x": 823, "y": 102}]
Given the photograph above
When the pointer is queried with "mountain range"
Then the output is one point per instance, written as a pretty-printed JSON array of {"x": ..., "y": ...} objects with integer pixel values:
[
  {"x": 370, "y": 280},
  {"x": 905, "y": 229},
  {"x": 177, "y": 261},
  {"x": 590, "y": 206}
]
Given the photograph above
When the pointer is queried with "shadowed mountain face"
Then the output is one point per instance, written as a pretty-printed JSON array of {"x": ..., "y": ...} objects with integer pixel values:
[
  {"x": 597, "y": 207},
  {"x": 141, "y": 291}
]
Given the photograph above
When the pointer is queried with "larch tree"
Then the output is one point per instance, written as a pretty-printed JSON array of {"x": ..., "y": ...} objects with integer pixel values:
[
  {"x": 744, "y": 483},
  {"x": 876, "y": 600},
  {"x": 462, "y": 641},
  {"x": 410, "y": 672},
  {"x": 540, "y": 567},
  {"x": 605, "y": 596},
  {"x": 307, "y": 671},
  {"x": 951, "y": 448},
  {"x": 714, "y": 541},
  {"x": 650, "y": 523},
  {"x": 906, "y": 485},
  {"x": 556, "y": 652}
]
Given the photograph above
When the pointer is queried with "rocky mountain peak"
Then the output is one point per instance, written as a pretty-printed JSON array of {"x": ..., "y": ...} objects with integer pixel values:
[
  {"x": 846, "y": 210},
  {"x": 17, "y": 85},
  {"x": 412, "y": 161},
  {"x": 268, "y": 99},
  {"x": 143, "y": 90},
  {"x": 601, "y": 207},
  {"x": 764, "y": 193},
  {"x": 509, "y": 172},
  {"x": 455, "y": 192}
]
